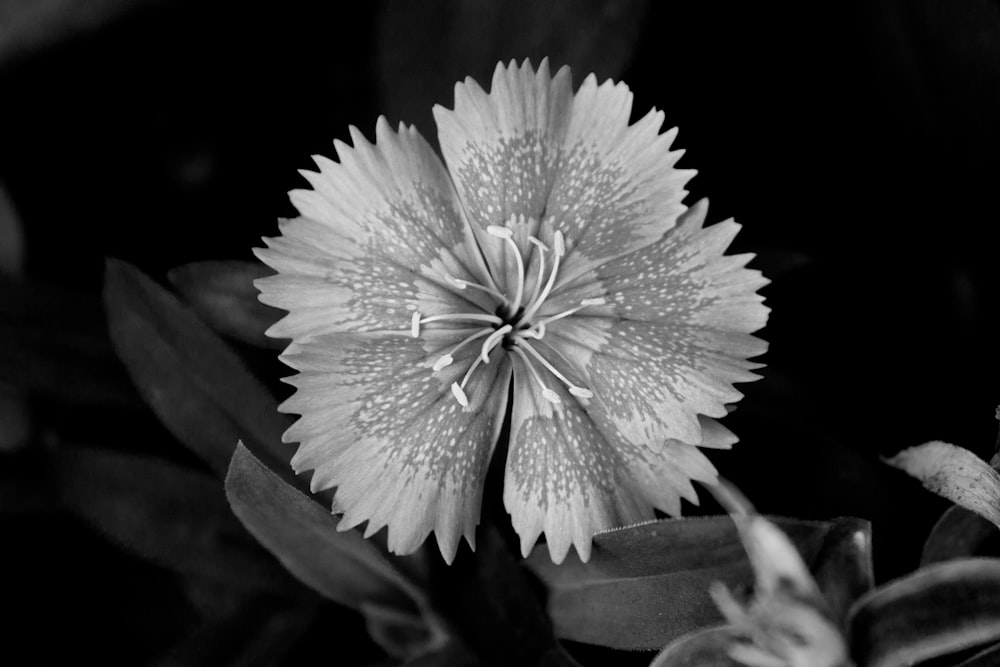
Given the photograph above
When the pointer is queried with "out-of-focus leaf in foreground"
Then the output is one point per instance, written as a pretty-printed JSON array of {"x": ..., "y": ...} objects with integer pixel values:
[
  {"x": 168, "y": 514},
  {"x": 223, "y": 295},
  {"x": 954, "y": 473},
  {"x": 704, "y": 648},
  {"x": 935, "y": 611},
  {"x": 340, "y": 565},
  {"x": 647, "y": 585},
  {"x": 194, "y": 382},
  {"x": 425, "y": 47}
]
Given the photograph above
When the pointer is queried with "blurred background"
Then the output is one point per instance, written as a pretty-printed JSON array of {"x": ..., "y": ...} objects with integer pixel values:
[{"x": 857, "y": 142}]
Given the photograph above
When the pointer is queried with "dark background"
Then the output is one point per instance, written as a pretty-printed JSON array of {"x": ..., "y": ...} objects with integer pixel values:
[{"x": 857, "y": 142}]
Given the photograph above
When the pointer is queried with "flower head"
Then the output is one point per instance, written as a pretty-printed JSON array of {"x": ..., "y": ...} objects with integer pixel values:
[{"x": 552, "y": 263}]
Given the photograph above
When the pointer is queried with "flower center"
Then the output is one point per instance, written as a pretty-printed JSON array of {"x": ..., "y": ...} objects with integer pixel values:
[{"x": 515, "y": 320}]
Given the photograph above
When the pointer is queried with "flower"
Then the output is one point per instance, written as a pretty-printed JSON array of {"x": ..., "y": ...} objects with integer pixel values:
[{"x": 551, "y": 265}]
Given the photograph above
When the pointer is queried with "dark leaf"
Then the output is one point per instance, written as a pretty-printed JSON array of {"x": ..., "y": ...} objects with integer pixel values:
[
  {"x": 340, "y": 565},
  {"x": 54, "y": 342},
  {"x": 843, "y": 565},
  {"x": 647, "y": 585},
  {"x": 168, "y": 514},
  {"x": 425, "y": 47},
  {"x": 986, "y": 658},
  {"x": 495, "y": 608},
  {"x": 935, "y": 611},
  {"x": 11, "y": 237},
  {"x": 193, "y": 381},
  {"x": 223, "y": 295},
  {"x": 705, "y": 648},
  {"x": 959, "y": 533}
]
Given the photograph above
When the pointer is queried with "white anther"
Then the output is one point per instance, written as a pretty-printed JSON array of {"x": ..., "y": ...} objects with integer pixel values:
[
  {"x": 415, "y": 324},
  {"x": 550, "y": 396},
  {"x": 581, "y": 392},
  {"x": 537, "y": 332},
  {"x": 443, "y": 362},
  {"x": 460, "y": 396},
  {"x": 538, "y": 244},
  {"x": 600, "y": 301},
  {"x": 559, "y": 244},
  {"x": 456, "y": 282},
  {"x": 500, "y": 232}
]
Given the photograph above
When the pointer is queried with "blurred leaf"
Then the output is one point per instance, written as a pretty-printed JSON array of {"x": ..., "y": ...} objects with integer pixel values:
[
  {"x": 843, "y": 566},
  {"x": 959, "y": 533},
  {"x": 986, "y": 658},
  {"x": 400, "y": 632},
  {"x": 194, "y": 382},
  {"x": 451, "y": 655},
  {"x": 168, "y": 514},
  {"x": 54, "y": 342},
  {"x": 954, "y": 473},
  {"x": 11, "y": 234},
  {"x": 223, "y": 295},
  {"x": 240, "y": 630},
  {"x": 647, "y": 585},
  {"x": 705, "y": 648},
  {"x": 935, "y": 611},
  {"x": 36, "y": 24},
  {"x": 494, "y": 605},
  {"x": 340, "y": 565},
  {"x": 424, "y": 48}
]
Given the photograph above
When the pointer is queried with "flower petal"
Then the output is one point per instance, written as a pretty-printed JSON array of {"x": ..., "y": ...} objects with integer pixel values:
[
  {"x": 570, "y": 478},
  {"x": 378, "y": 234},
  {"x": 674, "y": 335},
  {"x": 529, "y": 149},
  {"x": 384, "y": 429}
]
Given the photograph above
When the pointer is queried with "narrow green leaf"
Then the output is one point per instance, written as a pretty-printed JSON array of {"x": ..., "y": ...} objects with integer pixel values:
[
  {"x": 340, "y": 565},
  {"x": 843, "y": 566},
  {"x": 704, "y": 648},
  {"x": 647, "y": 585},
  {"x": 168, "y": 514},
  {"x": 935, "y": 611},
  {"x": 959, "y": 533},
  {"x": 194, "y": 382},
  {"x": 223, "y": 295},
  {"x": 954, "y": 473}
]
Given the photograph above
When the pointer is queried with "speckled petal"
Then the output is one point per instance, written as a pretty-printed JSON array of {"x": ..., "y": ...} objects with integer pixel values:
[
  {"x": 388, "y": 433},
  {"x": 674, "y": 336},
  {"x": 531, "y": 150},
  {"x": 571, "y": 473},
  {"x": 377, "y": 235}
]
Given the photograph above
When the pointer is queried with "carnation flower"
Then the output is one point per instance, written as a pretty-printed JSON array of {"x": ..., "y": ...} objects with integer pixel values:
[{"x": 547, "y": 268}]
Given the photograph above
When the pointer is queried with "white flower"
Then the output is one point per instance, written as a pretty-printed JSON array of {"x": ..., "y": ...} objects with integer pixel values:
[{"x": 551, "y": 265}]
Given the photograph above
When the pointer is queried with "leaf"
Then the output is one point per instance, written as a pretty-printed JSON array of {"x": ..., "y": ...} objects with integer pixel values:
[
  {"x": 959, "y": 533},
  {"x": 647, "y": 585},
  {"x": 168, "y": 514},
  {"x": 425, "y": 47},
  {"x": 341, "y": 566},
  {"x": 843, "y": 566},
  {"x": 494, "y": 606},
  {"x": 11, "y": 237},
  {"x": 223, "y": 295},
  {"x": 935, "y": 611},
  {"x": 954, "y": 473},
  {"x": 194, "y": 382},
  {"x": 989, "y": 657},
  {"x": 705, "y": 648}
]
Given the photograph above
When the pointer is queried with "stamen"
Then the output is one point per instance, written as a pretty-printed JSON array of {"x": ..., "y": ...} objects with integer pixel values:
[
  {"x": 493, "y": 341},
  {"x": 542, "y": 249},
  {"x": 460, "y": 396},
  {"x": 547, "y": 394},
  {"x": 582, "y": 392},
  {"x": 458, "y": 283},
  {"x": 559, "y": 243},
  {"x": 415, "y": 324},
  {"x": 476, "y": 317},
  {"x": 560, "y": 250},
  {"x": 449, "y": 358},
  {"x": 538, "y": 332},
  {"x": 500, "y": 232},
  {"x": 566, "y": 313}
]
